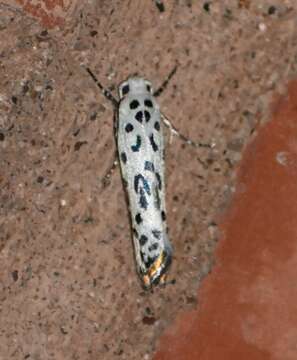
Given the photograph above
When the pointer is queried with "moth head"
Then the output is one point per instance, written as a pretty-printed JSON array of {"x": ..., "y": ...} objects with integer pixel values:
[{"x": 135, "y": 85}]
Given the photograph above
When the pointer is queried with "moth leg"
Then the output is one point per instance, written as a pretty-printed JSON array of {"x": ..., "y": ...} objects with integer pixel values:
[
  {"x": 164, "y": 282},
  {"x": 107, "y": 177},
  {"x": 115, "y": 103},
  {"x": 174, "y": 131},
  {"x": 160, "y": 5},
  {"x": 105, "y": 92},
  {"x": 165, "y": 83}
]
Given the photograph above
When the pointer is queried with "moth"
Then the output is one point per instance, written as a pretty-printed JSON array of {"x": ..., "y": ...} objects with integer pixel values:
[{"x": 140, "y": 146}]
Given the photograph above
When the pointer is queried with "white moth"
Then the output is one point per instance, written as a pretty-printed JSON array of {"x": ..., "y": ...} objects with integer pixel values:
[{"x": 140, "y": 145}]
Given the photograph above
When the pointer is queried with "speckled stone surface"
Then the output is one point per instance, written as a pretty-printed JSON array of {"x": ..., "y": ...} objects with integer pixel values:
[{"x": 68, "y": 284}]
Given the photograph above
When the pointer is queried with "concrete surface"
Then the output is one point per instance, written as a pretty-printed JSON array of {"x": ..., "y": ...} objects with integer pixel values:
[{"x": 68, "y": 284}]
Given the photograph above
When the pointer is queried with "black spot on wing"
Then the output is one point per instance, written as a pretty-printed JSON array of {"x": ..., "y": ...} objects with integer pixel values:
[
  {"x": 129, "y": 127},
  {"x": 139, "y": 116},
  {"x": 145, "y": 185},
  {"x": 148, "y": 103},
  {"x": 136, "y": 147},
  {"x": 134, "y": 104},
  {"x": 125, "y": 89},
  {"x": 147, "y": 116},
  {"x": 142, "y": 187},
  {"x": 157, "y": 200},
  {"x": 124, "y": 157},
  {"x": 153, "y": 143},
  {"x": 138, "y": 218},
  {"x": 149, "y": 262},
  {"x": 142, "y": 200},
  {"x": 153, "y": 247},
  {"x": 163, "y": 215},
  {"x": 143, "y": 240},
  {"x": 157, "y": 125},
  {"x": 159, "y": 180},
  {"x": 157, "y": 234},
  {"x": 148, "y": 165}
]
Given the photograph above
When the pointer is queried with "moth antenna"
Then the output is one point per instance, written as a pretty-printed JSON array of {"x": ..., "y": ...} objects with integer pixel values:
[
  {"x": 159, "y": 91},
  {"x": 104, "y": 91}
]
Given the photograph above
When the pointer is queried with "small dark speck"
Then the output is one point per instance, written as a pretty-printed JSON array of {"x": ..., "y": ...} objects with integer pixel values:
[
  {"x": 56, "y": 273},
  {"x": 44, "y": 33},
  {"x": 206, "y": 6},
  {"x": 148, "y": 320},
  {"x": 93, "y": 33},
  {"x": 15, "y": 275},
  {"x": 191, "y": 300},
  {"x": 63, "y": 331},
  {"x": 160, "y": 6},
  {"x": 79, "y": 144},
  {"x": 2, "y": 137},
  {"x": 49, "y": 87},
  {"x": 14, "y": 99},
  {"x": 228, "y": 14},
  {"x": 148, "y": 310},
  {"x": 76, "y": 132},
  {"x": 25, "y": 88},
  {"x": 253, "y": 54},
  {"x": 27, "y": 356},
  {"x": 40, "y": 179},
  {"x": 88, "y": 220},
  {"x": 93, "y": 116},
  {"x": 271, "y": 10},
  {"x": 175, "y": 198}
]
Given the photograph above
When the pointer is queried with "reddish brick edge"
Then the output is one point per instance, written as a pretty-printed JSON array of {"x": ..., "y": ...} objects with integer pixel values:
[
  {"x": 44, "y": 10},
  {"x": 247, "y": 305}
]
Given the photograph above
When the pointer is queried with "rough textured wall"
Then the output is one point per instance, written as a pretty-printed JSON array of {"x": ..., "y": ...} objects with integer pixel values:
[{"x": 68, "y": 284}]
